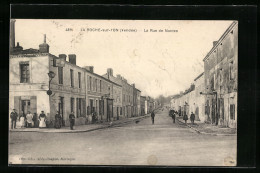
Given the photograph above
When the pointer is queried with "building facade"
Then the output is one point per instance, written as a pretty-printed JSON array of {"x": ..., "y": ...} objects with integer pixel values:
[{"x": 220, "y": 68}]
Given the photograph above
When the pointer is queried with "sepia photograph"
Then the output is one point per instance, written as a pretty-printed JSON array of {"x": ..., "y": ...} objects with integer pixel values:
[{"x": 123, "y": 92}]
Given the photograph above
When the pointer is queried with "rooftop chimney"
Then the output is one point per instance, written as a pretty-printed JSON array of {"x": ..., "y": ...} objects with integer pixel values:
[
  {"x": 89, "y": 68},
  {"x": 72, "y": 59},
  {"x": 214, "y": 43},
  {"x": 118, "y": 76},
  {"x": 44, "y": 47},
  {"x": 12, "y": 34},
  {"x": 63, "y": 56},
  {"x": 110, "y": 72}
]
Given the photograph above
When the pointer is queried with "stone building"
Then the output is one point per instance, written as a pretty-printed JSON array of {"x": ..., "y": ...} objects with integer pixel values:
[
  {"x": 102, "y": 95},
  {"x": 127, "y": 93},
  {"x": 142, "y": 105},
  {"x": 136, "y": 101},
  {"x": 30, "y": 79},
  {"x": 220, "y": 70}
]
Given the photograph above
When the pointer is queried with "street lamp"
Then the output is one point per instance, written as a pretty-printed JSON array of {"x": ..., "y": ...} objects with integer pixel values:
[{"x": 51, "y": 75}]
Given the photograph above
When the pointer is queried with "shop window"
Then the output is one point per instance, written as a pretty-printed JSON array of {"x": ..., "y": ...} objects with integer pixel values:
[
  {"x": 232, "y": 112},
  {"x": 25, "y": 72}
]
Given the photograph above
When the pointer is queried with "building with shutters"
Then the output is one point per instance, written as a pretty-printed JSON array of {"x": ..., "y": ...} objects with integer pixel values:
[{"x": 220, "y": 70}]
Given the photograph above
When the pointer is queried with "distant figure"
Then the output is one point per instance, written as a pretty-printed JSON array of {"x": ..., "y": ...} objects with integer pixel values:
[
  {"x": 22, "y": 120},
  {"x": 29, "y": 119},
  {"x": 42, "y": 120},
  {"x": 173, "y": 116},
  {"x": 185, "y": 118},
  {"x": 72, "y": 120},
  {"x": 57, "y": 120},
  {"x": 192, "y": 117},
  {"x": 152, "y": 116},
  {"x": 13, "y": 117}
]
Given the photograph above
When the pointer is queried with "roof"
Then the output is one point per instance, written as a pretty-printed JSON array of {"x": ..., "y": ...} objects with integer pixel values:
[
  {"x": 199, "y": 76},
  {"x": 220, "y": 39}
]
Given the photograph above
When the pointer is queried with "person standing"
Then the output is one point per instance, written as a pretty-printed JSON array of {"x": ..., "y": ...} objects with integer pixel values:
[
  {"x": 42, "y": 120},
  {"x": 185, "y": 117},
  {"x": 57, "y": 120},
  {"x": 152, "y": 116},
  {"x": 13, "y": 117},
  {"x": 192, "y": 117},
  {"x": 72, "y": 120},
  {"x": 22, "y": 120},
  {"x": 29, "y": 120},
  {"x": 173, "y": 116},
  {"x": 35, "y": 120}
]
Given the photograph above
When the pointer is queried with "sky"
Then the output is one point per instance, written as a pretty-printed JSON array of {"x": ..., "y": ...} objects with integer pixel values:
[{"x": 159, "y": 63}]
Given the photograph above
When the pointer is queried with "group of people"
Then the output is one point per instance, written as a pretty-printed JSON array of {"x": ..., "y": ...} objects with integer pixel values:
[
  {"x": 32, "y": 120},
  {"x": 27, "y": 121},
  {"x": 173, "y": 114}
]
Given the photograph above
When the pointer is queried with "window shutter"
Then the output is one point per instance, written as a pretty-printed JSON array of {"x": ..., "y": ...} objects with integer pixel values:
[
  {"x": 33, "y": 101},
  {"x": 17, "y": 102},
  {"x": 77, "y": 107}
]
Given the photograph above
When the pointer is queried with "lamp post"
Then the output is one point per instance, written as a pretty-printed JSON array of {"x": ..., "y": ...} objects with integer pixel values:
[{"x": 51, "y": 75}]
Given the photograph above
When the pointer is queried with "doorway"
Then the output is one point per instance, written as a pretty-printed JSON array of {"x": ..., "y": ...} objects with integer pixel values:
[
  {"x": 61, "y": 108},
  {"x": 26, "y": 106}
]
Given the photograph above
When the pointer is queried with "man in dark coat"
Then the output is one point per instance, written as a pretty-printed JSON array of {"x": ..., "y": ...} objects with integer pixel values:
[
  {"x": 58, "y": 120},
  {"x": 72, "y": 120},
  {"x": 13, "y": 117},
  {"x": 192, "y": 117},
  {"x": 152, "y": 116},
  {"x": 185, "y": 117},
  {"x": 173, "y": 116}
]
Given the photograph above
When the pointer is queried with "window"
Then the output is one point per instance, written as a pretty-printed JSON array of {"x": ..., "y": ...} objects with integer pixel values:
[
  {"x": 100, "y": 86},
  {"x": 60, "y": 74},
  {"x": 25, "y": 72},
  {"x": 71, "y": 78},
  {"x": 72, "y": 104},
  {"x": 96, "y": 85},
  {"x": 79, "y": 76},
  {"x": 90, "y": 83},
  {"x": 231, "y": 74},
  {"x": 232, "y": 112}
]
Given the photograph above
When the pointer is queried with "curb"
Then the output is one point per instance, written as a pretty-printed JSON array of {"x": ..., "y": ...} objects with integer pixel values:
[
  {"x": 88, "y": 130},
  {"x": 205, "y": 133}
]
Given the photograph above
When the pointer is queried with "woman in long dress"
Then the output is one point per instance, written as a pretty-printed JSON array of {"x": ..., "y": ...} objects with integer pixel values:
[
  {"x": 57, "y": 120},
  {"x": 22, "y": 120},
  {"x": 42, "y": 120}
]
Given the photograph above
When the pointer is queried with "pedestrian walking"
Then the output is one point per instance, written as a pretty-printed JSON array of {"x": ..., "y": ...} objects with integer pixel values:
[
  {"x": 173, "y": 116},
  {"x": 29, "y": 120},
  {"x": 42, "y": 120},
  {"x": 192, "y": 117},
  {"x": 22, "y": 120},
  {"x": 72, "y": 120},
  {"x": 13, "y": 117},
  {"x": 152, "y": 116},
  {"x": 185, "y": 117},
  {"x": 57, "y": 120}
]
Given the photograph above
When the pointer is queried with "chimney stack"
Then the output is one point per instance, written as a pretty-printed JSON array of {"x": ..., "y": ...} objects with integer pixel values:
[
  {"x": 110, "y": 72},
  {"x": 214, "y": 43},
  {"x": 63, "y": 56},
  {"x": 44, "y": 47},
  {"x": 72, "y": 59},
  {"x": 89, "y": 68},
  {"x": 12, "y": 34}
]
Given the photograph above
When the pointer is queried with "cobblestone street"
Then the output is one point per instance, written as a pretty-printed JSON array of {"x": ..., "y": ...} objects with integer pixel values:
[{"x": 136, "y": 143}]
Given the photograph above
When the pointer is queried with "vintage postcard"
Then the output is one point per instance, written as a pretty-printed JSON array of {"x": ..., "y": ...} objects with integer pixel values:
[{"x": 123, "y": 92}]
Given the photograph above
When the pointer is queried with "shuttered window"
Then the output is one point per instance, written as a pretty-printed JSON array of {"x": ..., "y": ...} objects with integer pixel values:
[
  {"x": 60, "y": 74},
  {"x": 24, "y": 72},
  {"x": 71, "y": 78},
  {"x": 232, "y": 112}
]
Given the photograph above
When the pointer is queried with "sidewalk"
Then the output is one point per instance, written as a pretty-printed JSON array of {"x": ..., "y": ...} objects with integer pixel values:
[
  {"x": 82, "y": 128},
  {"x": 209, "y": 129}
]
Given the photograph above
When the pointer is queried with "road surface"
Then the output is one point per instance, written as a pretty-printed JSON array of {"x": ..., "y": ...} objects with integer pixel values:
[{"x": 163, "y": 143}]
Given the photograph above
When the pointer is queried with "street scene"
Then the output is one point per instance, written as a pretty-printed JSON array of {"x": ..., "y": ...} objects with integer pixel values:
[
  {"x": 118, "y": 92},
  {"x": 163, "y": 143}
]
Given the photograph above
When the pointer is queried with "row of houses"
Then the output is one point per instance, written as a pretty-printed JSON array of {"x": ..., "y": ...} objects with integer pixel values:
[
  {"x": 212, "y": 95},
  {"x": 40, "y": 81}
]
